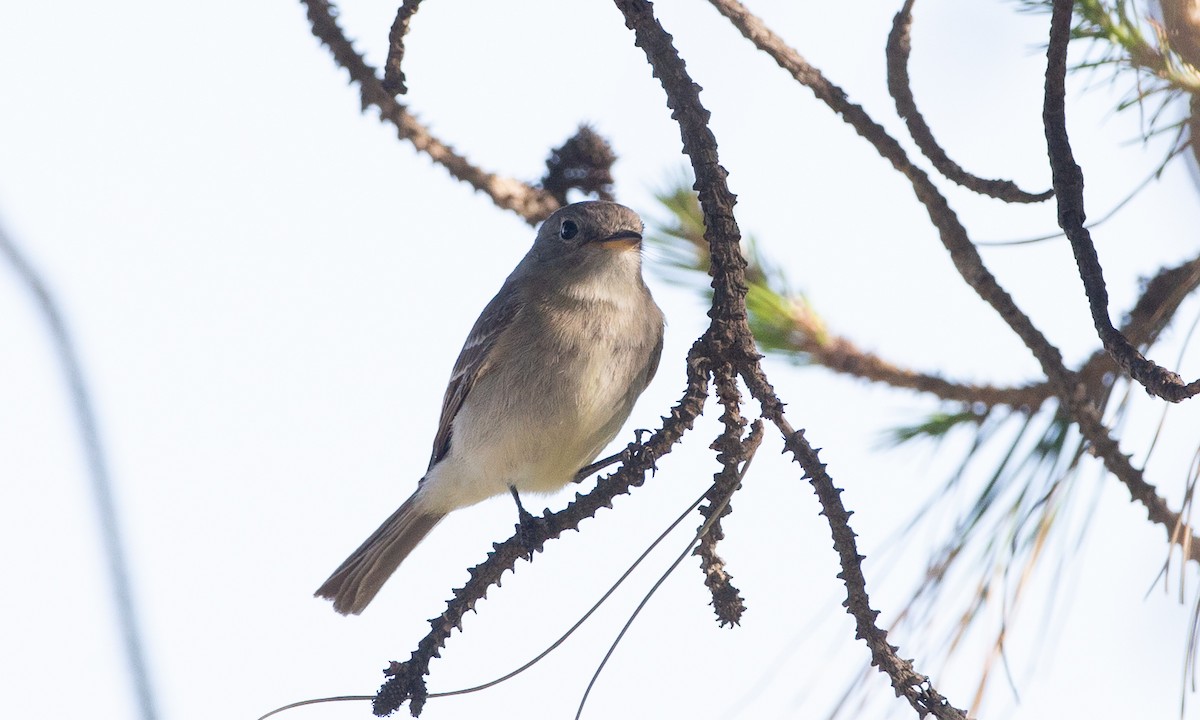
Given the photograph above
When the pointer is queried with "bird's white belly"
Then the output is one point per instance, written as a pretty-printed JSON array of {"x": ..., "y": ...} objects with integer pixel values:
[{"x": 530, "y": 442}]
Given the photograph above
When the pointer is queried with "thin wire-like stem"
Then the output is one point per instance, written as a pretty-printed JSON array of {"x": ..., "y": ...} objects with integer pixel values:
[
  {"x": 579, "y": 623},
  {"x": 712, "y": 519},
  {"x": 97, "y": 469},
  {"x": 1096, "y": 223},
  {"x": 316, "y": 701},
  {"x": 553, "y": 646}
]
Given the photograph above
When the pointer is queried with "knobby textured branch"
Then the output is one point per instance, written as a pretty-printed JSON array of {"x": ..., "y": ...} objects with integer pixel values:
[
  {"x": 1066, "y": 385},
  {"x": 531, "y": 203},
  {"x": 1068, "y": 187},
  {"x": 1161, "y": 297},
  {"x": 732, "y": 452},
  {"x": 841, "y": 355},
  {"x": 393, "y": 75},
  {"x": 913, "y": 686},
  {"x": 899, "y": 48},
  {"x": 406, "y": 681},
  {"x": 727, "y": 349},
  {"x": 786, "y": 323},
  {"x": 729, "y": 337}
]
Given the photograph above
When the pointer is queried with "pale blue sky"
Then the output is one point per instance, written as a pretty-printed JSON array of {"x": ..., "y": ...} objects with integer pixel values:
[{"x": 269, "y": 290}]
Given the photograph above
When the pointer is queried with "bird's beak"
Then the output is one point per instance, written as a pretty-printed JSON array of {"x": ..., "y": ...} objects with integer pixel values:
[{"x": 621, "y": 240}]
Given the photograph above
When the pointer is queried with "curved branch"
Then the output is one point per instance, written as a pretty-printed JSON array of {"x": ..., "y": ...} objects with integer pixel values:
[
  {"x": 899, "y": 48},
  {"x": 1065, "y": 384},
  {"x": 915, "y": 687},
  {"x": 1154, "y": 310},
  {"x": 729, "y": 337},
  {"x": 1068, "y": 187},
  {"x": 530, "y": 203}
]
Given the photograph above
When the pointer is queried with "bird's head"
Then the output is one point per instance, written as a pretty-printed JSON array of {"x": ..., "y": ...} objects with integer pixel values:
[{"x": 592, "y": 229}]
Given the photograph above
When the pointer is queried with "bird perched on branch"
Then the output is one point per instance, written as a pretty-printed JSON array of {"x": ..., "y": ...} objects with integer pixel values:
[{"x": 544, "y": 382}]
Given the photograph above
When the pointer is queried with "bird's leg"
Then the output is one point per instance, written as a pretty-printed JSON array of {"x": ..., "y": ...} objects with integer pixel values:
[
  {"x": 599, "y": 465},
  {"x": 602, "y": 463},
  {"x": 526, "y": 525}
]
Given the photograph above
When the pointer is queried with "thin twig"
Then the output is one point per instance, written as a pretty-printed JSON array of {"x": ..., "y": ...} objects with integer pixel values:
[
  {"x": 899, "y": 48},
  {"x": 393, "y": 75},
  {"x": 530, "y": 203},
  {"x": 1112, "y": 212},
  {"x": 914, "y": 686},
  {"x": 732, "y": 451},
  {"x": 719, "y": 500},
  {"x": 843, "y": 356},
  {"x": 316, "y": 701},
  {"x": 1068, "y": 187}
]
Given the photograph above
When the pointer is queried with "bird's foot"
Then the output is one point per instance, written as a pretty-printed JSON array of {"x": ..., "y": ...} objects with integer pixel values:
[{"x": 529, "y": 528}]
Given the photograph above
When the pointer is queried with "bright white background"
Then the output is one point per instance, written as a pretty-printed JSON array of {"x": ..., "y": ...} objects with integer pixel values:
[{"x": 268, "y": 291}]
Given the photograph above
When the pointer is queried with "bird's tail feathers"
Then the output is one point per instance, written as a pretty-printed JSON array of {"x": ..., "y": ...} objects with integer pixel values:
[{"x": 356, "y": 582}]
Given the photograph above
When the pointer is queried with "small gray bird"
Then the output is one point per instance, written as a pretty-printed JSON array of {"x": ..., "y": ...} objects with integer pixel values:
[{"x": 544, "y": 382}]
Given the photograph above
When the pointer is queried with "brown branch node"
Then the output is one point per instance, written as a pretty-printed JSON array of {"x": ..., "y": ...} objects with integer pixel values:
[
  {"x": 732, "y": 452},
  {"x": 584, "y": 162}
]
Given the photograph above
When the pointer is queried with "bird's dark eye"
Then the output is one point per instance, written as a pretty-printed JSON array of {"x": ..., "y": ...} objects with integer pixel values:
[{"x": 568, "y": 230}]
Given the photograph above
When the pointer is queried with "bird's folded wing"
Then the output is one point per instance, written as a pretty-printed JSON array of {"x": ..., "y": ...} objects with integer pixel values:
[{"x": 474, "y": 361}]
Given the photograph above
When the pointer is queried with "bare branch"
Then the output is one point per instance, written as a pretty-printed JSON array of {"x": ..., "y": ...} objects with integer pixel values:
[
  {"x": 1068, "y": 187},
  {"x": 729, "y": 337},
  {"x": 899, "y": 48},
  {"x": 530, "y": 203},
  {"x": 393, "y": 75},
  {"x": 1154, "y": 310},
  {"x": 1064, "y": 383},
  {"x": 1161, "y": 297},
  {"x": 727, "y": 349},
  {"x": 732, "y": 451},
  {"x": 843, "y": 356},
  {"x": 907, "y": 682}
]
